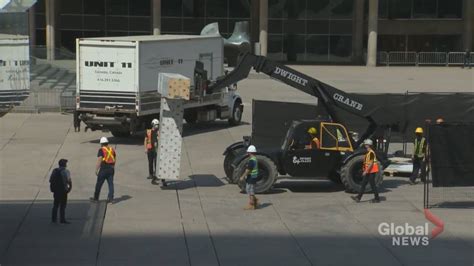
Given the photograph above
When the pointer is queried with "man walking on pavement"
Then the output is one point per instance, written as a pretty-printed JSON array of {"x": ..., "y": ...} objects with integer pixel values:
[
  {"x": 105, "y": 169},
  {"x": 151, "y": 144},
  {"x": 60, "y": 185},
  {"x": 250, "y": 177},
  {"x": 370, "y": 170},
  {"x": 467, "y": 59},
  {"x": 418, "y": 157}
]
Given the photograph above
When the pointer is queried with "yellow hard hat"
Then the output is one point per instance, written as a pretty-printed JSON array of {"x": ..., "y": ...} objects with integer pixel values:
[
  {"x": 312, "y": 131},
  {"x": 419, "y": 130}
]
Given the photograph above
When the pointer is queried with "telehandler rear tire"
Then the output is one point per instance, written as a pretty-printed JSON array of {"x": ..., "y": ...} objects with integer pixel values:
[
  {"x": 267, "y": 174},
  {"x": 351, "y": 175}
]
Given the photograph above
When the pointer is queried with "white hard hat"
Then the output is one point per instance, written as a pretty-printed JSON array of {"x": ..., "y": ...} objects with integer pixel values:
[
  {"x": 104, "y": 140},
  {"x": 368, "y": 142},
  {"x": 251, "y": 149},
  {"x": 155, "y": 122}
]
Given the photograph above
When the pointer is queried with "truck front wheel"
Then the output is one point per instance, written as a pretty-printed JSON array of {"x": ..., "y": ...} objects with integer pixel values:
[
  {"x": 351, "y": 175},
  {"x": 236, "y": 116},
  {"x": 267, "y": 174}
]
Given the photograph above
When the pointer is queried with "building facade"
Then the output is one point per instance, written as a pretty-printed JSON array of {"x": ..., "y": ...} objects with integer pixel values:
[{"x": 301, "y": 31}]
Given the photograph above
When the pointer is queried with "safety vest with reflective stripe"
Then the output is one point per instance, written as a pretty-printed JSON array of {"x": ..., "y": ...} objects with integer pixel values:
[
  {"x": 254, "y": 172},
  {"x": 109, "y": 155},
  {"x": 419, "y": 147},
  {"x": 149, "y": 145},
  {"x": 368, "y": 161}
]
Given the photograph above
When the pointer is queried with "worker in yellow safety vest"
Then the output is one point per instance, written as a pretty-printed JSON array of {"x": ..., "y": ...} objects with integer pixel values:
[
  {"x": 151, "y": 145},
  {"x": 314, "y": 144},
  {"x": 419, "y": 162},
  {"x": 370, "y": 169},
  {"x": 105, "y": 169}
]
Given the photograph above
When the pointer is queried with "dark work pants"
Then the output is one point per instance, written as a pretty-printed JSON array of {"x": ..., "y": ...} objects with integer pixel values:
[
  {"x": 467, "y": 61},
  {"x": 369, "y": 178},
  {"x": 60, "y": 201},
  {"x": 151, "y": 162},
  {"x": 418, "y": 164},
  {"x": 105, "y": 173}
]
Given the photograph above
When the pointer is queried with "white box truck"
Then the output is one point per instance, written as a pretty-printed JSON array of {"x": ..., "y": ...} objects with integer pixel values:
[
  {"x": 117, "y": 80},
  {"x": 14, "y": 71}
]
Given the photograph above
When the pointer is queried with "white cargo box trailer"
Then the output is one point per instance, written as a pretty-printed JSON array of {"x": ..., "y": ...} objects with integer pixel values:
[
  {"x": 14, "y": 70},
  {"x": 117, "y": 80}
]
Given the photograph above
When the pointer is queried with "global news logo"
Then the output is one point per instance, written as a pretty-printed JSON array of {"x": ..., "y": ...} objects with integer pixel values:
[{"x": 412, "y": 235}]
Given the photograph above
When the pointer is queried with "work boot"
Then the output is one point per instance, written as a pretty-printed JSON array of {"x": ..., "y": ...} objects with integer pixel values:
[
  {"x": 65, "y": 222},
  {"x": 375, "y": 201},
  {"x": 150, "y": 177},
  {"x": 256, "y": 202},
  {"x": 412, "y": 182},
  {"x": 249, "y": 207},
  {"x": 163, "y": 183},
  {"x": 93, "y": 200},
  {"x": 355, "y": 198}
]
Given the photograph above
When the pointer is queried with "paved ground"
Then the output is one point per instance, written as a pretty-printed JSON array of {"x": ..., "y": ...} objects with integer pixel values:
[{"x": 200, "y": 220}]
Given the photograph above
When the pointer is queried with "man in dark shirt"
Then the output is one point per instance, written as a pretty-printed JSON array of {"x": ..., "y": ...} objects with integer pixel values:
[
  {"x": 60, "y": 185},
  {"x": 467, "y": 59}
]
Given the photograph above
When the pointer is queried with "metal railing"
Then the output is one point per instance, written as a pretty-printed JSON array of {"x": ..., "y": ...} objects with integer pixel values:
[
  {"x": 402, "y": 58},
  {"x": 432, "y": 58},
  {"x": 422, "y": 58}
]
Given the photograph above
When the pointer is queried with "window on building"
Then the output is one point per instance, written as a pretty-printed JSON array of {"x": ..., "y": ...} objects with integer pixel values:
[
  {"x": 294, "y": 47},
  {"x": 340, "y": 48},
  {"x": 239, "y": 8},
  {"x": 317, "y": 48},
  {"x": 450, "y": 8},
  {"x": 217, "y": 8},
  {"x": 424, "y": 8},
  {"x": 399, "y": 9},
  {"x": 194, "y": 8},
  {"x": 71, "y": 7},
  {"x": 318, "y": 9},
  {"x": 171, "y": 8}
]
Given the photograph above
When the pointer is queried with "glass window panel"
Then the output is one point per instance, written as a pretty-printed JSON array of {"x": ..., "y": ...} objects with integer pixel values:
[
  {"x": 117, "y": 33},
  {"x": 275, "y": 47},
  {"x": 317, "y": 26},
  {"x": 317, "y": 48},
  {"x": 340, "y": 26},
  {"x": 68, "y": 39},
  {"x": 94, "y": 22},
  {"x": 295, "y": 9},
  {"x": 318, "y": 9},
  {"x": 171, "y": 24},
  {"x": 171, "y": 8},
  {"x": 341, "y": 8},
  {"x": 450, "y": 8},
  {"x": 40, "y": 37},
  {"x": 140, "y": 24},
  {"x": 40, "y": 6},
  {"x": 294, "y": 26},
  {"x": 194, "y": 8},
  {"x": 117, "y": 7},
  {"x": 40, "y": 21},
  {"x": 140, "y": 8},
  {"x": 424, "y": 8},
  {"x": 294, "y": 47},
  {"x": 70, "y": 22},
  {"x": 217, "y": 8},
  {"x": 138, "y": 33},
  {"x": 193, "y": 25},
  {"x": 223, "y": 24},
  {"x": 275, "y": 8},
  {"x": 239, "y": 8},
  {"x": 275, "y": 26},
  {"x": 71, "y": 7},
  {"x": 118, "y": 23},
  {"x": 340, "y": 48},
  {"x": 94, "y": 7},
  {"x": 93, "y": 34},
  {"x": 388, "y": 43},
  {"x": 383, "y": 8},
  {"x": 399, "y": 9}
]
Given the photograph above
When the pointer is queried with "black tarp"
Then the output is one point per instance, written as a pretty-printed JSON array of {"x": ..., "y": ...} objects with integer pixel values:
[
  {"x": 452, "y": 160},
  {"x": 404, "y": 112}
]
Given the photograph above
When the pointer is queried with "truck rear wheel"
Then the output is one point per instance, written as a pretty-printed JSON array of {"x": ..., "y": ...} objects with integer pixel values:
[
  {"x": 120, "y": 133},
  {"x": 267, "y": 173},
  {"x": 228, "y": 160},
  {"x": 236, "y": 116},
  {"x": 351, "y": 175}
]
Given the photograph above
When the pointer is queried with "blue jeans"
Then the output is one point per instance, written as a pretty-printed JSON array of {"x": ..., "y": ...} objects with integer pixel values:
[{"x": 105, "y": 174}]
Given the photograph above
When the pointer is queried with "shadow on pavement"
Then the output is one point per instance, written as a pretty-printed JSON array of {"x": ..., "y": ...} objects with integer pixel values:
[
  {"x": 29, "y": 238},
  {"x": 194, "y": 181},
  {"x": 309, "y": 186},
  {"x": 121, "y": 198}
]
